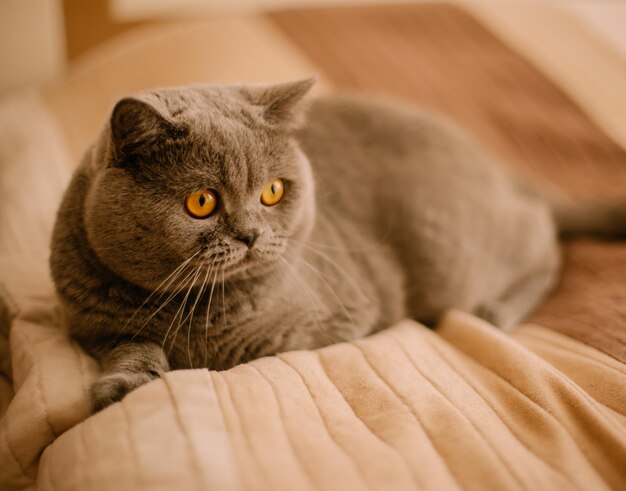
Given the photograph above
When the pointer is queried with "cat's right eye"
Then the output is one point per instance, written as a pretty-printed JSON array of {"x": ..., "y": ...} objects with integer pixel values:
[
  {"x": 273, "y": 192},
  {"x": 200, "y": 204}
]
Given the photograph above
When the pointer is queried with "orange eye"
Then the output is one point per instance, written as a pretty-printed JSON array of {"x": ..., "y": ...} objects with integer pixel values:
[
  {"x": 200, "y": 204},
  {"x": 273, "y": 192}
]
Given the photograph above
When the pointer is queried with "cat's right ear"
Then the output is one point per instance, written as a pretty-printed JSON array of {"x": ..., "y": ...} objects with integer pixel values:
[
  {"x": 284, "y": 105},
  {"x": 139, "y": 122}
]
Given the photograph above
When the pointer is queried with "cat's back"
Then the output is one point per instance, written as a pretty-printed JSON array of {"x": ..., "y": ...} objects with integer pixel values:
[
  {"x": 370, "y": 125},
  {"x": 371, "y": 142},
  {"x": 446, "y": 208},
  {"x": 376, "y": 160}
]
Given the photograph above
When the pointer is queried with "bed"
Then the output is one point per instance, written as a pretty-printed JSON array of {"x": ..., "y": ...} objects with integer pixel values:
[{"x": 464, "y": 406}]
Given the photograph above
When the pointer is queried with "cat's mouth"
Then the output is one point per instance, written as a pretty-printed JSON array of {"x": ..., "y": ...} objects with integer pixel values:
[
  {"x": 250, "y": 259},
  {"x": 229, "y": 263}
]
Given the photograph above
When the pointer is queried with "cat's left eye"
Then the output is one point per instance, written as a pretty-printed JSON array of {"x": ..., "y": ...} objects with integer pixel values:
[{"x": 273, "y": 192}]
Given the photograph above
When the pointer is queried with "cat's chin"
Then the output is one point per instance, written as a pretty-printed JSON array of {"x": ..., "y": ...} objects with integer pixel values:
[{"x": 249, "y": 268}]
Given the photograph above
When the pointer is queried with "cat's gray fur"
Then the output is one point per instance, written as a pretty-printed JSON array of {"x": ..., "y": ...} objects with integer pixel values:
[{"x": 388, "y": 213}]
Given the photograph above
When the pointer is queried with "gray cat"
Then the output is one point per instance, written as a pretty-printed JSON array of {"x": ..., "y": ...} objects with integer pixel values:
[{"x": 211, "y": 225}]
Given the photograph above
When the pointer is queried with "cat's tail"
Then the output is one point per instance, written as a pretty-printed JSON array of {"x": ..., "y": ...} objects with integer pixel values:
[
  {"x": 596, "y": 218},
  {"x": 600, "y": 219}
]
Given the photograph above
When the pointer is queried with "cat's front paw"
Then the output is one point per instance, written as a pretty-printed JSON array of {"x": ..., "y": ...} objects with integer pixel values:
[{"x": 113, "y": 387}]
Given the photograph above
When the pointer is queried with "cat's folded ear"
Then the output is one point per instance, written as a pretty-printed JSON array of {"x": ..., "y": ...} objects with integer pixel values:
[
  {"x": 140, "y": 121},
  {"x": 284, "y": 104}
]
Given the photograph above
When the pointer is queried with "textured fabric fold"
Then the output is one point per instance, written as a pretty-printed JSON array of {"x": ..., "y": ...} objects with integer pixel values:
[{"x": 466, "y": 406}]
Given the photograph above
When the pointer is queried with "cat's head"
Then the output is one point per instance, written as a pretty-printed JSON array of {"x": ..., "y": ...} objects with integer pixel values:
[{"x": 211, "y": 173}]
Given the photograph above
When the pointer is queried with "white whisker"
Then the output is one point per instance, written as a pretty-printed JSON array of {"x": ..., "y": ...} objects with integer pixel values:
[
  {"x": 338, "y": 268},
  {"x": 369, "y": 247},
  {"x": 180, "y": 287},
  {"x": 171, "y": 277},
  {"x": 224, "y": 300},
  {"x": 180, "y": 310},
  {"x": 206, "y": 323},
  {"x": 343, "y": 307},
  {"x": 313, "y": 297},
  {"x": 193, "y": 308}
]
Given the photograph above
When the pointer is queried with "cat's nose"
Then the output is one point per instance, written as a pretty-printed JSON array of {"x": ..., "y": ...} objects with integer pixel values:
[{"x": 248, "y": 237}]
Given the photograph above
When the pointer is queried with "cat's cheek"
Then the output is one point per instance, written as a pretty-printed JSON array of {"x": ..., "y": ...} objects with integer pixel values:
[
  {"x": 300, "y": 219},
  {"x": 185, "y": 234},
  {"x": 301, "y": 212}
]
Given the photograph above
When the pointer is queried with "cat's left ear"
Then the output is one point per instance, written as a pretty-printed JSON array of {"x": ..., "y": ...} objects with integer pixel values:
[{"x": 284, "y": 104}]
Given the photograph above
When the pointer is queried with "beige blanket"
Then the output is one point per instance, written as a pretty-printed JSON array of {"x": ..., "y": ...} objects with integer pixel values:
[
  {"x": 467, "y": 407},
  {"x": 462, "y": 407}
]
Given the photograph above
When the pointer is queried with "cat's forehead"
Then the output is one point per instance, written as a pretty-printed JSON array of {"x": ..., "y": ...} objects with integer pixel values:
[
  {"x": 210, "y": 104},
  {"x": 226, "y": 142},
  {"x": 231, "y": 154}
]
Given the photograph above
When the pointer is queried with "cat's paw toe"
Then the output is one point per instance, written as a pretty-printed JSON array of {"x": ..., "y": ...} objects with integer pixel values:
[{"x": 113, "y": 387}]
